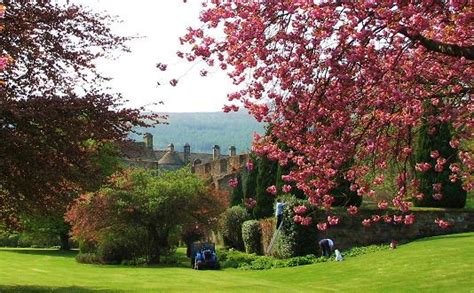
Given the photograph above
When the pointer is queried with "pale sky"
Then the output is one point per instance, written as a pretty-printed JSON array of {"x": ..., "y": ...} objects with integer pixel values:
[{"x": 161, "y": 23}]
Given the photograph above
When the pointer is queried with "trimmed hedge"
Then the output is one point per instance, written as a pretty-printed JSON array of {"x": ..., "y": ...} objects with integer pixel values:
[
  {"x": 231, "y": 226},
  {"x": 252, "y": 237}
]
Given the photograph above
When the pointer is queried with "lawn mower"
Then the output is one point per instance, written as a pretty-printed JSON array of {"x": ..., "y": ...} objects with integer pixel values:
[{"x": 203, "y": 256}]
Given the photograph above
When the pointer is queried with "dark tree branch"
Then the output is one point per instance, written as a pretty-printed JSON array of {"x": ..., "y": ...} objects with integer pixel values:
[{"x": 435, "y": 46}]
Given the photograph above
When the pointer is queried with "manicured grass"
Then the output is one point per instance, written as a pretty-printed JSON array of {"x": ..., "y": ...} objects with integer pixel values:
[{"x": 441, "y": 264}]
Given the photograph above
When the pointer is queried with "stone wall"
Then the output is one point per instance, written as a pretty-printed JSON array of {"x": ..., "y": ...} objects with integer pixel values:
[
  {"x": 220, "y": 171},
  {"x": 350, "y": 232}
]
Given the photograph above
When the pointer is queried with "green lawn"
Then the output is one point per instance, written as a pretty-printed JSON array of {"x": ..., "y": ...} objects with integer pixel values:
[{"x": 441, "y": 264}]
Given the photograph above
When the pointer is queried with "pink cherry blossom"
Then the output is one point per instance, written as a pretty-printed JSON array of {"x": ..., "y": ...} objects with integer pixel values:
[
  {"x": 367, "y": 222},
  {"x": 300, "y": 209},
  {"x": 437, "y": 196},
  {"x": 434, "y": 154},
  {"x": 306, "y": 221},
  {"x": 322, "y": 226},
  {"x": 409, "y": 219},
  {"x": 249, "y": 165},
  {"x": 250, "y": 203},
  {"x": 272, "y": 190},
  {"x": 383, "y": 205},
  {"x": 442, "y": 223},
  {"x": 333, "y": 220},
  {"x": 376, "y": 218},
  {"x": 233, "y": 182},
  {"x": 286, "y": 188},
  {"x": 352, "y": 210}
]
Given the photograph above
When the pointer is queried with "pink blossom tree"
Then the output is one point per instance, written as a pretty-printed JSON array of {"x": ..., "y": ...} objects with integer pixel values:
[{"x": 343, "y": 80}]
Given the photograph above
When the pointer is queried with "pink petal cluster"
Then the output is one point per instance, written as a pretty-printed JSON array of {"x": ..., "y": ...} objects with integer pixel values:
[
  {"x": 333, "y": 220},
  {"x": 300, "y": 209},
  {"x": 322, "y": 226},
  {"x": 352, "y": 210},
  {"x": 250, "y": 203},
  {"x": 409, "y": 219},
  {"x": 233, "y": 182},
  {"x": 442, "y": 223},
  {"x": 367, "y": 222},
  {"x": 383, "y": 205},
  {"x": 272, "y": 190},
  {"x": 286, "y": 188},
  {"x": 249, "y": 165}
]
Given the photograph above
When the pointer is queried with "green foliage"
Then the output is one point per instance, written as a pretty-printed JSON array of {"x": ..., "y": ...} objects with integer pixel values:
[
  {"x": 140, "y": 214},
  {"x": 252, "y": 236},
  {"x": 453, "y": 194},
  {"x": 204, "y": 130},
  {"x": 266, "y": 177},
  {"x": 237, "y": 193},
  {"x": 343, "y": 196},
  {"x": 245, "y": 261},
  {"x": 296, "y": 239},
  {"x": 231, "y": 226}
]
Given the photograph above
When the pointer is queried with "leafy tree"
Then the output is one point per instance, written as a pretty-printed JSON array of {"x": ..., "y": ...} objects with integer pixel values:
[
  {"x": 342, "y": 79},
  {"x": 155, "y": 203},
  {"x": 46, "y": 126},
  {"x": 431, "y": 148},
  {"x": 266, "y": 177}
]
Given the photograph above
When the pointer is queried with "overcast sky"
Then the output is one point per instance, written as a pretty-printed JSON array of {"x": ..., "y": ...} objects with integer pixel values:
[{"x": 160, "y": 23}]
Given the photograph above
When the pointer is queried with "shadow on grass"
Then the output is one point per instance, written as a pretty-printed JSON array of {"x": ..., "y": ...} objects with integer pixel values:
[
  {"x": 445, "y": 236},
  {"x": 24, "y": 288},
  {"x": 44, "y": 252}
]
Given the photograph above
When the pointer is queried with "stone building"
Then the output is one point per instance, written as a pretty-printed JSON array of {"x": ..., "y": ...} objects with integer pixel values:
[{"x": 142, "y": 154}]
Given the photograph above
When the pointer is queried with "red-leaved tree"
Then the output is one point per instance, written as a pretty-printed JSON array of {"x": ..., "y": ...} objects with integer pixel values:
[
  {"x": 344, "y": 81},
  {"x": 55, "y": 116}
]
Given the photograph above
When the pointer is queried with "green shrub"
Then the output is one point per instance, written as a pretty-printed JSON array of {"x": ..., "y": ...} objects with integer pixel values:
[
  {"x": 235, "y": 259},
  {"x": 237, "y": 196},
  {"x": 295, "y": 239},
  {"x": 117, "y": 246},
  {"x": 252, "y": 237},
  {"x": 231, "y": 226}
]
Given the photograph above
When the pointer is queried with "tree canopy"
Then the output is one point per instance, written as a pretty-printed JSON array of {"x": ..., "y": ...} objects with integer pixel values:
[
  {"x": 344, "y": 80},
  {"x": 54, "y": 112}
]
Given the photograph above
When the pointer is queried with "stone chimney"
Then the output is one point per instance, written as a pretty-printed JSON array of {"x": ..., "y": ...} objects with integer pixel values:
[
  {"x": 187, "y": 153},
  {"x": 148, "y": 138},
  {"x": 232, "y": 151},
  {"x": 216, "y": 152}
]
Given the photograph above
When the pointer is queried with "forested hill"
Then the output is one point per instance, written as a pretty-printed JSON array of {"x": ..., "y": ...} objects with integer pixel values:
[{"x": 204, "y": 130}]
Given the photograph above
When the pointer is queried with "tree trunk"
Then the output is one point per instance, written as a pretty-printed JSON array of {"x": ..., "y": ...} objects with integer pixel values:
[{"x": 64, "y": 237}]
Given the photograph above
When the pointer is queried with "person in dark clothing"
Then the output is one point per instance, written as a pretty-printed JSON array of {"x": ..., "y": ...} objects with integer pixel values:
[{"x": 326, "y": 246}]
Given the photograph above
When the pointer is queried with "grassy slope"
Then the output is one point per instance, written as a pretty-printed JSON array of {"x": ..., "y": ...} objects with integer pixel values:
[{"x": 444, "y": 264}]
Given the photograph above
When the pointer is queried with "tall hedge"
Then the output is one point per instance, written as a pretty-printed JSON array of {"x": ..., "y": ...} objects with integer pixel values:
[
  {"x": 453, "y": 194},
  {"x": 295, "y": 239},
  {"x": 252, "y": 236},
  {"x": 231, "y": 226},
  {"x": 266, "y": 177}
]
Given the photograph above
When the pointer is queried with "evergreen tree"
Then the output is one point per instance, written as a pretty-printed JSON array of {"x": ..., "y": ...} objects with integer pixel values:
[
  {"x": 237, "y": 193},
  {"x": 266, "y": 177},
  {"x": 250, "y": 179},
  {"x": 453, "y": 196}
]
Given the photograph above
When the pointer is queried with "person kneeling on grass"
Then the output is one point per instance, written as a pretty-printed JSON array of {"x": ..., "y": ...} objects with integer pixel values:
[{"x": 326, "y": 246}]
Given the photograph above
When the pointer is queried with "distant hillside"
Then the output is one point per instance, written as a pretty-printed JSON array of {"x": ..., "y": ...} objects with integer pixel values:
[{"x": 204, "y": 130}]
